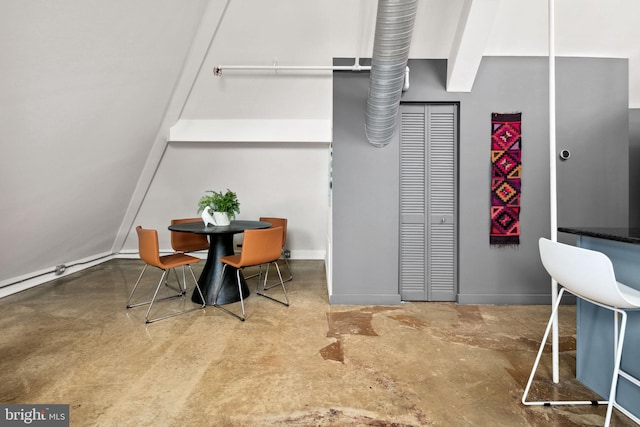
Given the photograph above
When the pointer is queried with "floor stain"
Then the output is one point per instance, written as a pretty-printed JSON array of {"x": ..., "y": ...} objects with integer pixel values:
[
  {"x": 350, "y": 323},
  {"x": 470, "y": 314},
  {"x": 335, "y": 417},
  {"x": 346, "y": 323},
  {"x": 333, "y": 352},
  {"x": 410, "y": 321}
]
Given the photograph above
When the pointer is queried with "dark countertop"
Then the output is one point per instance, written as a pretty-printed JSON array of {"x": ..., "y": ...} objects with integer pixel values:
[{"x": 620, "y": 234}]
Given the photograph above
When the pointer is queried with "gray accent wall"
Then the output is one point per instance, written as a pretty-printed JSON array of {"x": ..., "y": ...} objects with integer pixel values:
[
  {"x": 593, "y": 124},
  {"x": 592, "y": 116},
  {"x": 634, "y": 167},
  {"x": 365, "y": 200}
]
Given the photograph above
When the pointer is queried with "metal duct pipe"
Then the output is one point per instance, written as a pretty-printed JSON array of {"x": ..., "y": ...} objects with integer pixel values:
[{"x": 394, "y": 27}]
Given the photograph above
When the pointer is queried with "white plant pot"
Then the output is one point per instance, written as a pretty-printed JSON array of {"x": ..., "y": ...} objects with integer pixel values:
[
  {"x": 221, "y": 218},
  {"x": 218, "y": 218}
]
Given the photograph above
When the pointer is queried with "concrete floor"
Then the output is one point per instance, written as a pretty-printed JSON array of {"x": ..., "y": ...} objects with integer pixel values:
[{"x": 311, "y": 364}]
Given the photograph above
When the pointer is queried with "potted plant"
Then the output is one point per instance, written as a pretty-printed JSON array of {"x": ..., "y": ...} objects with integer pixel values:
[{"x": 219, "y": 208}]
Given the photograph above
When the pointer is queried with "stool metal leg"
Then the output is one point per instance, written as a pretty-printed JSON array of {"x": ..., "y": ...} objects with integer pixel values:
[
  {"x": 619, "y": 372},
  {"x": 616, "y": 366},
  {"x": 537, "y": 361},
  {"x": 619, "y": 336}
]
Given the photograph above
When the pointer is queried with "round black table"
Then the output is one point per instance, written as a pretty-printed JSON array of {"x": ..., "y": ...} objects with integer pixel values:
[{"x": 220, "y": 244}]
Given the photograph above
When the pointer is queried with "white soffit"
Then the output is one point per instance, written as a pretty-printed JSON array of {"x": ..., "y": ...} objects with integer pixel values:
[
  {"x": 474, "y": 27},
  {"x": 251, "y": 130}
]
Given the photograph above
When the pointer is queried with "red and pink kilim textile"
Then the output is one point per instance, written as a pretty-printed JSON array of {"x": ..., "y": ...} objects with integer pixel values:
[{"x": 506, "y": 167}]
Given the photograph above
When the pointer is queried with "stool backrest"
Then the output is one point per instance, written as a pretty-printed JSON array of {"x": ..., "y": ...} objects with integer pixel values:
[{"x": 583, "y": 272}]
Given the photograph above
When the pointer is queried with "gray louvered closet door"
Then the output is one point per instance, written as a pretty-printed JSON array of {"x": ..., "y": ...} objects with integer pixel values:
[{"x": 428, "y": 186}]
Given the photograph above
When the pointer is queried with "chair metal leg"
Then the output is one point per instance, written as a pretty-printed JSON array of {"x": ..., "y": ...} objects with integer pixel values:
[
  {"x": 290, "y": 278},
  {"x": 286, "y": 262},
  {"x": 197, "y": 287},
  {"x": 129, "y": 305},
  {"x": 155, "y": 298},
  {"x": 135, "y": 287},
  {"x": 240, "y": 291},
  {"x": 215, "y": 298},
  {"x": 266, "y": 275},
  {"x": 155, "y": 294},
  {"x": 166, "y": 316},
  {"x": 182, "y": 286},
  {"x": 184, "y": 279}
]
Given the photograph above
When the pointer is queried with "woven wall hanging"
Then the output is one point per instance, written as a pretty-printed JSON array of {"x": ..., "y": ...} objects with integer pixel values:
[{"x": 506, "y": 168}]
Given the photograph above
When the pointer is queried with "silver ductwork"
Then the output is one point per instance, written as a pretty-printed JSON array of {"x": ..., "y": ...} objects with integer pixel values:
[{"x": 394, "y": 27}]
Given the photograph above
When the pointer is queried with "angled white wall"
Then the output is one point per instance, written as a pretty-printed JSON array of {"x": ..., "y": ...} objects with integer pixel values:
[{"x": 83, "y": 87}]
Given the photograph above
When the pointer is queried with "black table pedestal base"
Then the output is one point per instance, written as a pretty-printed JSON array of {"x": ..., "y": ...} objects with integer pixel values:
[
  {"x": 219, "y": 246},
  {"x": 229, "y": 292}
]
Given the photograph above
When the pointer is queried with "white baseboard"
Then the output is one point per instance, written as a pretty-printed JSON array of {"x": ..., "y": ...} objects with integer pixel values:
[
  {"x": 131, "y": 254},
  {"x": 35, "y": 278},
  {"x": 302, "y": 254}
]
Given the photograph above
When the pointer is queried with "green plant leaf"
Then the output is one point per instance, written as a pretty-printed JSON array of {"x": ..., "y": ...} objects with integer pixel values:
[{"x": 220, "y": 202}]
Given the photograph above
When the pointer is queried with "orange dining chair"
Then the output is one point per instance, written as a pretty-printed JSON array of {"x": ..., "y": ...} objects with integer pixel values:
[
  {"x": 277, "y": 222},
  {"x": 150, "y": 254},
  {"x": 259, "y": 247},
  {"x": 187, "y": 242}
]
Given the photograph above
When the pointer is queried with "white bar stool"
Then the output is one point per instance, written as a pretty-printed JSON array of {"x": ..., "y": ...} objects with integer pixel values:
[{"x": 588, "y": 275}]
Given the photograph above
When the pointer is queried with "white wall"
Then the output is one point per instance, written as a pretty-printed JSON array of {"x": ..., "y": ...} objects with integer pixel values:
[
  {"x": 271, "y": 179},
  {"x": 83, "y": 88}
]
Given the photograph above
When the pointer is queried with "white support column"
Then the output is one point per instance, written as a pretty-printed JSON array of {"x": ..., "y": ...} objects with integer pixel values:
[{"x": 553, "y": 202}]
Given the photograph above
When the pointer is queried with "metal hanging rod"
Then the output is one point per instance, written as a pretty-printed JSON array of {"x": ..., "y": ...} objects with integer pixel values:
[{"x": 356, "y": 67}]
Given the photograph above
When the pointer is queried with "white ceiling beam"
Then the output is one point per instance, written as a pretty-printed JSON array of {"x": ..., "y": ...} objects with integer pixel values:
[{"x": 474, "y": 27}]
